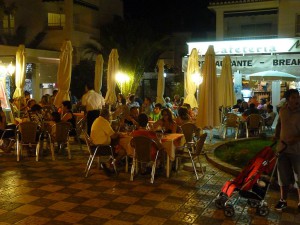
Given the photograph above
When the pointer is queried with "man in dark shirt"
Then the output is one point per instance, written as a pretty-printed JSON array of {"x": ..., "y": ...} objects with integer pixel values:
[
  {"x": 238, "y": 105},
  {"x": 252, "y": 110}
]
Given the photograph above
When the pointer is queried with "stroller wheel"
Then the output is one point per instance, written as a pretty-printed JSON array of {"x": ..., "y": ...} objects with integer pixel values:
[
  {"x": 263, "y": 210},
  {"x": 220, "y": 202},
  {"x": 229, "y": 211},
  {"x": 252, "y": 203}
]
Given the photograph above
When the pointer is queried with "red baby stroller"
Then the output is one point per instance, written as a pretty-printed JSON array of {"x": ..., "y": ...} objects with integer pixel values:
[{"x": 248, "y": 184}]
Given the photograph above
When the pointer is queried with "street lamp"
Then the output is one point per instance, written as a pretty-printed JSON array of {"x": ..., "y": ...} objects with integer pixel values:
[{"x": 122, "y": 78}]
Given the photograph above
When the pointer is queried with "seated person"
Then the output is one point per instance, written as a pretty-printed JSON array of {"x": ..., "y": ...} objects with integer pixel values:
[
  {"x": 103, "y": 134},
  {"x": 131, "y": 119},
  {"x": 132, "y": 102},
  {"x": 35, "y": 114},
  {"x": 49, "y": 126},
  {"x": 183, "y": 116},
  {"x": 122, "y": 110},
  {"x": 252, "y": 110},
  {"x": 147, "y": 106},
  {"x": 254, "y": 101},
  {"x": 6, "y": 135},
  {"x": 166, "y": 123},
  {"x": 168, "y": 104},
  {"x": 156, "y": 113},
  {"x": 142, "y": 131},
  {"x": 262, "y": 107},
  {"x": 244, "y": 107},
  {"x": 30, "y": 103},
  {"x": 190, "y": 111},
  {"x": 68, "y": 116},
  {"x": 270, "y": 116},
  {"x": 19, "y": 107},
  {"x": 238, "y": 105}
]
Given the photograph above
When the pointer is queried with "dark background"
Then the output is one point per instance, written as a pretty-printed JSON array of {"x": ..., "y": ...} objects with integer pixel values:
[{"x": 173, "y": 15}]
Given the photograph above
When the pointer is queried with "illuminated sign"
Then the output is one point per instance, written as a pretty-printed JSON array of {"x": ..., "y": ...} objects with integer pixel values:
[
  {"x": 248, "y": 64},
  {"x": 244, "y": 47}
]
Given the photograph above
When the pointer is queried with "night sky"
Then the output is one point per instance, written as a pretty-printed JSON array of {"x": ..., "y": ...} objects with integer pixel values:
[{"x": 173, "y": 16}]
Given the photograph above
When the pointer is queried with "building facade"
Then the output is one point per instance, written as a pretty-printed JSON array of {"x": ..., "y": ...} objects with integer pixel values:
[
  {"x": 259, "y": 35},
  {"x": 43, "y": 25}
]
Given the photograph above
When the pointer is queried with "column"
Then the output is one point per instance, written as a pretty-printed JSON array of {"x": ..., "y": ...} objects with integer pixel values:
[
  {"x": 238, "y": 85},
  {"x": 275, "y": 94}
]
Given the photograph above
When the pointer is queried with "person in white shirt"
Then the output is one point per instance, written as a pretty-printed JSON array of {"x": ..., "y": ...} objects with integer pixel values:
[{"x": 93, "y": 103}]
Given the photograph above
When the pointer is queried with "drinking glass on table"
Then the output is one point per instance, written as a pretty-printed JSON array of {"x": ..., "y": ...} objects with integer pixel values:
[{"x": 159, "y": 134}]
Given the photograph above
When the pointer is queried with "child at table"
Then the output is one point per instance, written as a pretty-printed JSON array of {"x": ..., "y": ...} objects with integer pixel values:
[{"x": 142, "y": 131}]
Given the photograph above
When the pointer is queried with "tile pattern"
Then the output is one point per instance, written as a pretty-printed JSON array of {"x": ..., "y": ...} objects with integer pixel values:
[{"x": 56, "y": 193}]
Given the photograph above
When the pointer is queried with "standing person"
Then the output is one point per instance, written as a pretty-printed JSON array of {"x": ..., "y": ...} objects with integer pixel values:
[
  {"x": 288, "y": 132},
  {"x": 93, "y": 103}
]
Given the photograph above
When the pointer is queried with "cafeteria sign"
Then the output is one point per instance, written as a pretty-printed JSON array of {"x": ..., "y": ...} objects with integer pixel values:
[
  {"x": 250, "y": 64},
  {"x": 246, "y": 47}
]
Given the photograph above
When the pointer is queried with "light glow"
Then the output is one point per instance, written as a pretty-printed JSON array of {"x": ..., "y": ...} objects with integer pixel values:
[
  {"x": 197, "y": 78},
  {"x": 122, "y": 77}
]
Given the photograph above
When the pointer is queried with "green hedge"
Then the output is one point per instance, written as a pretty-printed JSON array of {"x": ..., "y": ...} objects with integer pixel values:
[{"x": 239, "y": 153}]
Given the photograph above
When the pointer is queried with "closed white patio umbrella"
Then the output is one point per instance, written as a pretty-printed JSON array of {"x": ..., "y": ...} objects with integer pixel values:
[
  {"x": 20, "y": 71},
  {"x": 189, "y": 84},
  {"x": 208, "y": 111},
  {"x": 64, "y": 73},
  {"x": 113, "y": 67},
  {"x": 225, "y": 84}
]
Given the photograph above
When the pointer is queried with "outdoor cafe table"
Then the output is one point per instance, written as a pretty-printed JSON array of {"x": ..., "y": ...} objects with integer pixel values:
[{"x": 169, "y": 142}]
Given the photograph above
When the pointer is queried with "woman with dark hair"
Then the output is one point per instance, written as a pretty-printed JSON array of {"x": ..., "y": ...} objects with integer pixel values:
[
  {"x": 36, "y": 114},
  {"x": 183, "y": 116},
  {"x": 166, "y": 123},
  {"x": 68, "y": 116}
]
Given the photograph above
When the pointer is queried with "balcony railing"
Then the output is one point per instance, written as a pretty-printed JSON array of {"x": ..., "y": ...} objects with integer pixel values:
[{"x": 251, "y": 37}]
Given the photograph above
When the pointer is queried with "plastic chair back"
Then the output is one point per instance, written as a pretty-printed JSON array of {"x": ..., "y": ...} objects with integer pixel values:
[{"x": 142, "y": 148}]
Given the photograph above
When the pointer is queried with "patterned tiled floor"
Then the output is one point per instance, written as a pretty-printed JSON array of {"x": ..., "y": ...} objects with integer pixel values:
[{"x": 56, "y": 193}]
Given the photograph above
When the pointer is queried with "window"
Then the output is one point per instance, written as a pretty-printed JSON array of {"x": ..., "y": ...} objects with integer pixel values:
[
  {"x": 56, "y": 20},
  {"x": 8, "y": 22},
  {"x": 298, "y": 25}
]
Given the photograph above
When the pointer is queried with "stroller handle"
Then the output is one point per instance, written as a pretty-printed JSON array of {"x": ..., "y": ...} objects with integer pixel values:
[{"x": 282, "y": 150}]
